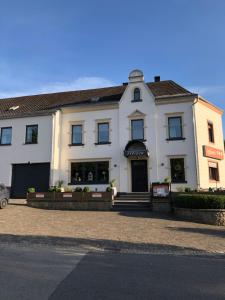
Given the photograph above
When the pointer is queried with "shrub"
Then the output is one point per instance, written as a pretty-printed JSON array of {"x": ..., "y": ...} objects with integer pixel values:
[
  {"x": 113, "y": 183},
  {"x": 31, "y": 190},
  {"x": 187, "y": 189},
  {"x": 167, "y": 180},
  {"x": 109, "y": 189},
  {"x": 78, "y": 189},
  {"x": 200, "y": 201},
  {"x": 52, "y": 189},
  {"x": 68, "y": 189},
  {"x": 86, "y": 189}
]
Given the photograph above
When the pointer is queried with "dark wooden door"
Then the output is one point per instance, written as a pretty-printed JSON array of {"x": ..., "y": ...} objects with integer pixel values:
[
  {"x": 25, "y": 176},
  {"x": 139, "y": 174}
]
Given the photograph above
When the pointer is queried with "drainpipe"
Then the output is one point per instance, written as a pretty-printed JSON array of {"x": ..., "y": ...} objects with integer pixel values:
[{"x": 196, "y": 143}]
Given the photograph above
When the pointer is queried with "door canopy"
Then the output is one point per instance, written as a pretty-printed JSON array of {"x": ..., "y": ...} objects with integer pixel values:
[{"x": 136, "y": 149}]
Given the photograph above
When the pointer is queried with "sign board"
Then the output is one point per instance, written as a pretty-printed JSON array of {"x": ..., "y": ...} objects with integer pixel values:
[
  {"x": 39, "y": 195},
  {"x": 128, "y": 153},
  {"x": 213, "y": 153},
  {"x": 97, "y": 195},
  {"x": 67, "y": 195},
  {"x": 161, "y": 190}
]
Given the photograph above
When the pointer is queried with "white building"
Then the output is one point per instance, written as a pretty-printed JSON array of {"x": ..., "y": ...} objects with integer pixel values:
[{"x": 136, "y": 133}]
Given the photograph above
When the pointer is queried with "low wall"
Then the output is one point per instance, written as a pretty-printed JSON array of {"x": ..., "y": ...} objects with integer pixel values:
[
  {"x": 71, "y": 201},
  {"x": 206, "y": 216},
  {"x": 161, "y": 205}
]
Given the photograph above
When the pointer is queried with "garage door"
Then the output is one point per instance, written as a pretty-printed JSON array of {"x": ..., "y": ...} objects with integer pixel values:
[{"x": 29, "y": 175}]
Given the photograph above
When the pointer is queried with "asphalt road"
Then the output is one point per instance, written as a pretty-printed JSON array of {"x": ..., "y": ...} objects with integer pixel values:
[{"x": 47, "y": 272}]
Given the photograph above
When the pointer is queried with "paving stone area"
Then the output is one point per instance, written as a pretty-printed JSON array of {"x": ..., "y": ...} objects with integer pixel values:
[{"x": 110, "y": 230}]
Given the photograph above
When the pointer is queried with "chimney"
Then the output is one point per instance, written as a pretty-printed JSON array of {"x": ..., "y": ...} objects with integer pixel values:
[{"x": 157, "y": 78}]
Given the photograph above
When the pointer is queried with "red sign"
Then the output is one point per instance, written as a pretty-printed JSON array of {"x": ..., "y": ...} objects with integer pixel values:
[
  {"x": 161, "y": 190},
  {"x": 213, "y": 152}
]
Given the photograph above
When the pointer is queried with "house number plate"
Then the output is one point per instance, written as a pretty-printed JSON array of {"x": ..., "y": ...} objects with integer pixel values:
[{"x": 40, "y": 195}]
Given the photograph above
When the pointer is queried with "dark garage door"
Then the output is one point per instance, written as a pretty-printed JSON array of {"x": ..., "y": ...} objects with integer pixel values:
[{"x": 29, "y": 175}]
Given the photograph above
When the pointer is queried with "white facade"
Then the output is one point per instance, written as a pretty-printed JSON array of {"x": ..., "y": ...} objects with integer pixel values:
[{"x": 54, "y": 139}]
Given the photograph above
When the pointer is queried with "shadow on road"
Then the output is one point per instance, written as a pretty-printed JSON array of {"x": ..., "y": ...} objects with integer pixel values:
[
  {"x": 207, "y": 231},
  {"x": 101, "y": 244}
]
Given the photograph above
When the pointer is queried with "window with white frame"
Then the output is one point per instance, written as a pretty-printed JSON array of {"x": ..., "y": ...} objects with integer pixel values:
[
  {"x": 175, "y": 130},
  {"x": 77, "y": 134},
  {"x": 137, "y": 129}
]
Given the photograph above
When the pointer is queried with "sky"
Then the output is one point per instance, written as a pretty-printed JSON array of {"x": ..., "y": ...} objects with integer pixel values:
[{"x": 58, "y": 45}]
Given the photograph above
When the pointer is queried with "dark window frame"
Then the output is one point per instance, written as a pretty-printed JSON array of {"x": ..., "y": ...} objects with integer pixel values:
[
  {"x": 136, "y": 92},
  {"x": 212, "y": 135},
  {"x": 143, "y": 135},
  {"x": 217, "y": 174},
  {"x": 183, "y": 180},
  {"x": 98, "y": 131},
  {"x": 96, "y": 175},
  {"x": 29, "y": 126},
  {"x": 2, "y": 129},
  {"x": 72, "y": 142},
  {"x": 181, "y": 137}
]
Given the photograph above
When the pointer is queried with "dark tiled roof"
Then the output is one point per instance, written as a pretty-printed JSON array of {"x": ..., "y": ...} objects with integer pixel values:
[{"x": 45, "y": 103}]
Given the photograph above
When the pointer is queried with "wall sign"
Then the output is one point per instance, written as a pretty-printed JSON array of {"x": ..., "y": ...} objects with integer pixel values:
[
  {"x": 39, "y": 195},
  {"x": 97, "y": 195},
  {"x": 213, "y": 152}
]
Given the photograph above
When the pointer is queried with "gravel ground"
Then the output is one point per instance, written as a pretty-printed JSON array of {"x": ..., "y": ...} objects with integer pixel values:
[{"x": 130, "y": 230}]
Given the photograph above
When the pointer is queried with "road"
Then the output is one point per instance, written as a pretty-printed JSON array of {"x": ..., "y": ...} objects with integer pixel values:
[{"x": 58, "y": 273}]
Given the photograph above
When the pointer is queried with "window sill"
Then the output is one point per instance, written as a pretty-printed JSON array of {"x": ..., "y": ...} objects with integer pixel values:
[
  {"x": 105, "y": 143},
  {"x": 71, "y": 145},
  {"x": 5, "y": 144},
  {"x": 138, "y": 140},
  {"x": 140, "y": 100},
  {"x": 178, "y": 182},
  {"x": 30, "y": 143},
  {"x": 88, "y": 183},
  {"x": 176, "y": 139}
]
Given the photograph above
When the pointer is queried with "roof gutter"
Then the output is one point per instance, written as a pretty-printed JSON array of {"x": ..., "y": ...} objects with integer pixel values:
[{"x": 196, "y": 142}]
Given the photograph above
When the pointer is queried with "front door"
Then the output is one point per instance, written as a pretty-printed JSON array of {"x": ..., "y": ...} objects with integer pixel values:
[{"x": 139, "y": 175}]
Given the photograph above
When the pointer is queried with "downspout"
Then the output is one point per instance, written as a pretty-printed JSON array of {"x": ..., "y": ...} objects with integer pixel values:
[{"x": 196, "y": 143}]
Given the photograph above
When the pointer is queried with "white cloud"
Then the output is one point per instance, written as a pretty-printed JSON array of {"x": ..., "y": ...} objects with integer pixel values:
[
  {"x": 206, "y": 90},
  {"x": 80, "y": 83}
]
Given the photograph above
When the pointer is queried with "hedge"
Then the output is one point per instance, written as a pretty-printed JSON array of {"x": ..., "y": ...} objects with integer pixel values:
[{"x": 199, "y": 201}]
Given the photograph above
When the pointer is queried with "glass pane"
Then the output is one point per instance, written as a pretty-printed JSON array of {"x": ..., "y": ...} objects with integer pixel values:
[
  {"x": 77, "y": 134},
  {"x": 175, "y": 128},
  {"x": 103, "y": 172},
  {"x": 177, "y": 170},
  {"x": 137, "y": 127},
  {"x": 76, "y": 173},
  {"x": 32, "y": 134},
  {"x": 89, "y": 172},
  {"x": 6, "y": 136},
  {"x": 136, "y": 94},
  {"x": 103, "y": 132}
]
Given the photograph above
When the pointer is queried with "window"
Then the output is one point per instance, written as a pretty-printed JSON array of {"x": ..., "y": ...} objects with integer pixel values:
[
  {"x": 90, "y": 172},
  {"x": 213, "y": 171},
  {"x": 177, "y": 170},
  {"x": 137, "y": 94},
  {"x": 77, "y": 134},
  {"x": 103, "y": 133},
  {"x": 211, "y": 132},
  {"x": 6, "y": 136},
  {"x": 31, "y": 134},
  {"x": 175, "y": 128},
  {"x": 137, "y": 129}
]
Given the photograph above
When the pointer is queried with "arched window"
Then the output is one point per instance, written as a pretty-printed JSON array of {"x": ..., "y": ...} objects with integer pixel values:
[{"x": 137, "y": 94}]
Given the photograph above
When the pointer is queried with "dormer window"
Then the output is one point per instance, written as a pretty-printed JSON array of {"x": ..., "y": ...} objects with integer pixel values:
[{"x": 137, "y": 95}]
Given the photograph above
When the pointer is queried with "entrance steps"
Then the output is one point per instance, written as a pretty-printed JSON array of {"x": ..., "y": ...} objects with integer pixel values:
[{"x": 132, "y": 201}]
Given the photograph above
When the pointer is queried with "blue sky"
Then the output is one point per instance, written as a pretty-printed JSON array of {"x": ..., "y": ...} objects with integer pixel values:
[{"x": 49, "y": 46}]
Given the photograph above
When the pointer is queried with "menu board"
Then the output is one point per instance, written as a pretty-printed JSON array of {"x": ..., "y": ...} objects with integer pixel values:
[{"x": 161, "y": 190}]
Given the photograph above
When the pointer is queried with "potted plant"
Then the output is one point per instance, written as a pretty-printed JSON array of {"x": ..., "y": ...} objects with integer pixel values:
[{"x": 113, "y": 187}]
